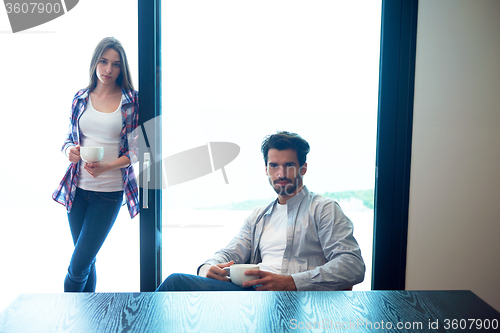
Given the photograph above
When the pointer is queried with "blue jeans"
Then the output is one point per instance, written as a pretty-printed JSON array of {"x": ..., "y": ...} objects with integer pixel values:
[
  {"x": 90, "y": 219},
  {"x": 186, "y": 282}
]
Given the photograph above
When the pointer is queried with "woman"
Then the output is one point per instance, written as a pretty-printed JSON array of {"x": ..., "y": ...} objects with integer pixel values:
[{"x": 104, "y": 114}]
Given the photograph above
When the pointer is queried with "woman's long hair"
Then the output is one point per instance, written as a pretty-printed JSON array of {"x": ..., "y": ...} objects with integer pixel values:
[{"x": 124, "y": 80}]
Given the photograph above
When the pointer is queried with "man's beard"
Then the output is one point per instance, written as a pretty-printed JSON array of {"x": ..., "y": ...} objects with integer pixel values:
[{"x": 288, "y": 189}]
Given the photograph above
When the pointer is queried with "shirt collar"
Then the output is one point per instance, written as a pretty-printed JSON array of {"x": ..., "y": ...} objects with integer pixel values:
[
  {"x": 126, "y": 97},
  {"x": 293, "y": 201},
  {"x": 297, "y": 198},
  {"x": 83, "y": 94}
]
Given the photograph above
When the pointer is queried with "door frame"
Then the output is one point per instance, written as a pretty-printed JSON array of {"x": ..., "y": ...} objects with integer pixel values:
[{"x": 149, "y": 12}]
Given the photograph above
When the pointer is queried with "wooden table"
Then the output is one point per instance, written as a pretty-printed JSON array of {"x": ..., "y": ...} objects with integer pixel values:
[{"x": 341, "y": 311}]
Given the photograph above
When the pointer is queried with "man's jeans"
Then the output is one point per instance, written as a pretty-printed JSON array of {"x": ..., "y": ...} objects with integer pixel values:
[
  {"x": 186, "y": 282},
  {"x": 90, "y": 219}
]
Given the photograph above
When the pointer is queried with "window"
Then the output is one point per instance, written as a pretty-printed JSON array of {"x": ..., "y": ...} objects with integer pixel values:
[{"x": 238, "y": 71}]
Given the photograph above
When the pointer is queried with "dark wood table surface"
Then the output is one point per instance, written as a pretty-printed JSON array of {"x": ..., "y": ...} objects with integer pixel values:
[{"x": 328, "y": 311}]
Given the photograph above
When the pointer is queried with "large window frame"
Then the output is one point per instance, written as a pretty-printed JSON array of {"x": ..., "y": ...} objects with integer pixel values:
[
  {"x": 394, "y": 140},
  {"x": 394, "y": 133}
]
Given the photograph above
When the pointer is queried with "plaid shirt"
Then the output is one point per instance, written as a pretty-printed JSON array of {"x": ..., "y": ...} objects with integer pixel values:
[{"x": 65, "y": 192}]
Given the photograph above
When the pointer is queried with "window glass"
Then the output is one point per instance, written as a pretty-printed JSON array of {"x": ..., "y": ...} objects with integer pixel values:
[{"x": 236, "y": 71}]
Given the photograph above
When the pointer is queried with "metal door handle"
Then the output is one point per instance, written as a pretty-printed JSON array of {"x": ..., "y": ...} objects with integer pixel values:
[{"x": 146, "y": 177}]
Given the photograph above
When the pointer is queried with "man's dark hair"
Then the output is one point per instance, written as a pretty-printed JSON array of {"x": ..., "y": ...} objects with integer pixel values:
[{"x": 286, "y": 140}]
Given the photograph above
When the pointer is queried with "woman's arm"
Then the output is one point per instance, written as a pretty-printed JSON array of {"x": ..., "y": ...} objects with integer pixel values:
[
  {"x": 98, "y": 168},
  {"x": 72, "y": 135}
]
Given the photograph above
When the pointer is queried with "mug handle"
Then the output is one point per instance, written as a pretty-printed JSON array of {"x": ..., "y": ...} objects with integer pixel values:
[{"x": 228, "y": 270}]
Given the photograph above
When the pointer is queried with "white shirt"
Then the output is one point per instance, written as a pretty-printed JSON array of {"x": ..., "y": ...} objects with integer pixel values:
[
  {"x": 100, "y": 129},
  {"x": 273, "y": 241}
]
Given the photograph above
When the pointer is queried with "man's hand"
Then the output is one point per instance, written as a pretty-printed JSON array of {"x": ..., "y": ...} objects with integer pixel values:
[
  {"x": 270, "y": 281},
  {"x": 216, "y": 272}
]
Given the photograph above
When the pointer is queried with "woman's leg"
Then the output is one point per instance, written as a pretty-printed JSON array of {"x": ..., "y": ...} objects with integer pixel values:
[
  {"x": 91, "y": 280},
  {"x": 76, "y": 217},
  {"x": 99, "y": 212}
]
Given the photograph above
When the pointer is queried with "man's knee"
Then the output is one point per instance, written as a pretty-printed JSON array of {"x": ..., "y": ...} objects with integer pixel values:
[{"x": 174, "y": 282}]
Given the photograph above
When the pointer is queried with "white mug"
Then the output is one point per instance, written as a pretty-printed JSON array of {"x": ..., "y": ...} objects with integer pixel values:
[
  {"x": 92, "y": 154},
  {"x": 237, "y": 273}
]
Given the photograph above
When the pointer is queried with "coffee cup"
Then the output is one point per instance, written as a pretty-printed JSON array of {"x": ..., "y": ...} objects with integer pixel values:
[
  {"x": 237, "y": 273},
  {"x": 92, "y": 154}
]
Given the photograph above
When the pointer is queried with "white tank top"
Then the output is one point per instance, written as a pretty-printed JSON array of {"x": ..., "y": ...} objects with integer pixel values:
[{"x": 100, "y": 129}]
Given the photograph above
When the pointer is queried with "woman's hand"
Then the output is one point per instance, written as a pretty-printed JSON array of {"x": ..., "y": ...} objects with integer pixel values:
[
  {"x": 74, "y": 154},
  {"x": 96, "y": 169}
]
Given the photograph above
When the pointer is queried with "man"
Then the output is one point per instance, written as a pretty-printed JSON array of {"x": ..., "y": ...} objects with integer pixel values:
[{"x": 301, "y": 241}]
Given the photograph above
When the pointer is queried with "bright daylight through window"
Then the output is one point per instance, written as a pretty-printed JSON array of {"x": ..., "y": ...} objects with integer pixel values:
[
  {"x": 236, "y": 71},
  {"x": 42, "y": 69}
]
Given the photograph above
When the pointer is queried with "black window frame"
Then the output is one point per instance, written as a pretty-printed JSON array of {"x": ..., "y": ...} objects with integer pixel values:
[{"x": 394, "y": 143}]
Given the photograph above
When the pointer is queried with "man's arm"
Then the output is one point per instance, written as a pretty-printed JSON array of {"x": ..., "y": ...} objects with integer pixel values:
[
  {"x": 237, "y": 251},
  {"x": 345, "y": 266},
  {"x": 270, "y": 281}
]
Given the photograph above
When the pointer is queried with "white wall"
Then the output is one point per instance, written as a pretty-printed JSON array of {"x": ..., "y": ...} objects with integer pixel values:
[{"x": 454, "y": 218}]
